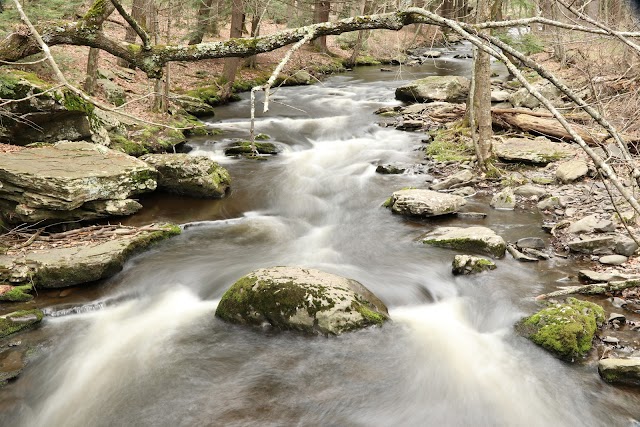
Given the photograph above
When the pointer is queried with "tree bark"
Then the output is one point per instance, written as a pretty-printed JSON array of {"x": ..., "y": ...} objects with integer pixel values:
[
  {"x": 231, "y": 64},
  {"x": 92, "y": 71},
  {"x": 321, "y": 14},
  {"x": 252, "y": 61},
  {"x": 138, "y": 13},
  {"x": 482, "y": 95},
  {"x": 203, "y": 17}
]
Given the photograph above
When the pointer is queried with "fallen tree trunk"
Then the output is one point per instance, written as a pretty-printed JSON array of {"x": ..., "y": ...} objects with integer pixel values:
[{"x": 593, "y": 289}]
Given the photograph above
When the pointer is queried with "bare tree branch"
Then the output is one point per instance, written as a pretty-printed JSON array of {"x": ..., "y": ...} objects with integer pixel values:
[{"x": 146, "y": 40}]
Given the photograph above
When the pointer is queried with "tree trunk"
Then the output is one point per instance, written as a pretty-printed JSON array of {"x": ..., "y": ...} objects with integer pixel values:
[
  {"x": 203, "y": 17},
  {"x": 362, "y": 35},
  {"x": 482, "y": 95},
  {"x": 139, "y": 13},
  {"x": 321, "y": 14},
  {"x": 92, "y": 71},
  {"x": 231, "y": 64},
  {"x": 252, "y": 61}
]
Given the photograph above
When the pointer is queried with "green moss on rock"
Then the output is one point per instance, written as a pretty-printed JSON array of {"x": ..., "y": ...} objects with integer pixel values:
[
  {"x": 19, "y": 320},
  {"x": 17, "y": 294},
  {"x": 566, "y": 329}
]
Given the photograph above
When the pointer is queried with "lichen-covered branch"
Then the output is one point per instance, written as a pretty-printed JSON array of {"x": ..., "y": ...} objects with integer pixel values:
[{"x": 146, "y": 40}]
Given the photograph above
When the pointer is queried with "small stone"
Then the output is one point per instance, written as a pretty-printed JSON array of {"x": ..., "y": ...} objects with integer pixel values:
[
  {"x": 464, "y": 191},
  {"x": 535, "y": 253},
  {"x": 472, "y": 215},
  {"x": 610, "y": 340},
  {"x": 617, "y": 316},
  {"x": 551, "y": 203},
  {"x": 529, "y": 190},
  {"x": 620, "y": 371},
  {"x": 591, "y": 276},
  {"x": 530, "y": 243},
  {"x": 625, "y": 246},
  {"x": 571, "y": 171},
  {"x": 519, "y": 256},
  {"x": 467, "y": 264},
  {"x": 458, "y": 178},
  {"x": 613, "y": 259},
  {"x": 390, "y": 169}
]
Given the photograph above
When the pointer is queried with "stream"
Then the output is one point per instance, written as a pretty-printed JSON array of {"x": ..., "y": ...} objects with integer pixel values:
[{"x": 148, "y": 351}]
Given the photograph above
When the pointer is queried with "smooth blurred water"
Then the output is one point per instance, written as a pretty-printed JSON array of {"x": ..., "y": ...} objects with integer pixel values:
[{"x": 155, "y": 355}]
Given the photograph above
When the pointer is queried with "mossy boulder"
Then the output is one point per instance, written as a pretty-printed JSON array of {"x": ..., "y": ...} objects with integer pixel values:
[
  {"x": 467, "y": 264},
  {"x": 10, "y": 293},
  {"x": 424, "y": 203},
  {"x": 473, "y": 239},
  {"x": 196, "y": 176},
  {"x": 19, "y": 320},
  {"x": 114, "y": 93},
  {"x": 192, "y": 105},
  {"x": 565, "y": 329},
  {"x": 242, "y": 148},
  {"x": 301, "y": 299},
  {"x": 435, "y": 88}
]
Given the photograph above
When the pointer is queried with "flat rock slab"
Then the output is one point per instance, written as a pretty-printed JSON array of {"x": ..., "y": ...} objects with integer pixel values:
[
  {"x": 620, "y": 371},
  {"x": 474, "y": 239},
  {"x": 435, "y": 88},
  {"x": 591, "y": 224},
  {"x": 71, "y": 180},
  {"x": 301, "y": 299},
  {"x": 425, "y": 203},
  {"x": 613, "y": 259},
  {"x": 68, "y": 266},
  {"x": 536, "y": 151},
  {"x": 571, "y": 171},
  {"x": 596, "y": 245}
]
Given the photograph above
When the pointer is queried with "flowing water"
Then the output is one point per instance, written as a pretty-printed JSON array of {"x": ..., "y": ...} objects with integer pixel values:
[{"x": 146, "y": 349}]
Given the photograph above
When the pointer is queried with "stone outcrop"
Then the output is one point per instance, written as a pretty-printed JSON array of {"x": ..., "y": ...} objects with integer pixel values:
[
  {"x": 192, "y": 105},
  {"x": 301, "y": 299},
  {"x": 196, "y": 176},
  {"x": 425, "y": 203},
  {"x": 71, "y": 181},
  {"x": 538, "y": 151},
  {"x": 467, "y": 264},
  {"x": 473, "y": 239},
  {"x": 565, "y": 329},
  {"x": 71, "y": 265},
  {"x": 435, "y": 88}
]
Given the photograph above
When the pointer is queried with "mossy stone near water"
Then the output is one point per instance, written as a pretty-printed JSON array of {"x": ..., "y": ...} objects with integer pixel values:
[
  {"x": 301, "y": 299},
  {"x": 19, "y": 320},
  {"x": 565, "y": 329}
]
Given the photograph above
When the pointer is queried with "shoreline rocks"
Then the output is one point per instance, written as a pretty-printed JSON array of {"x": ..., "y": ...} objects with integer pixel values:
[{"x": 435, "y": 88}]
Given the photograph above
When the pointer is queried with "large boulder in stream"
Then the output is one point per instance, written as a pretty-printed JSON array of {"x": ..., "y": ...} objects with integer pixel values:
[
  {"x": 87, "y": 255},
  {"x": 620, "y": 371},
  {"x": 301, "y": 299},
  {"x": 435, "y": 88},
  {"x": 565, "y": 329},
  {"x": 473, "y": 239},
  {"x": 71, "y": 181},
  {"x": 196, "y": 176},
  {"x": 425, "y": 203}
]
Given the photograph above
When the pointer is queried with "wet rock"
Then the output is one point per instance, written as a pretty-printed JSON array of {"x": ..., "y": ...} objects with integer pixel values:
[
  {"x": 591, "y": 224},
  {"x": 472, "y": 215},
  {"x": 435, "y": 88},
  {"x": 595, "y": 245},
  {"x": 196, "y": 176},
  {"x": 505, "y": 200},
  {"x": 473, "y": 239},
  {"x": 19, "y": 320},
  {"x": 414, "y": 109},
  {"x": 529, "y": 190},
  {"x": 431, "y": 54},
  {"x": 71, "y": 181},
  {"x": 591, "y": 276},
  {"x": 410, "y": 125},
  {"x": 455, "y": 179},
  {"x": 530, "y": 243},
  {"x": 610, "y": 340},
  {"x": 535, "y": 151},
  {"x": 625, "y": 246},
  {"x": 10, "y": 293},
  {"x": 467, "y": 264},
  {"x": 68, "y": 266},
  {"x": 191, "y": 105},
  {"x": 612, "y": 259},
  {"x": 565, "y": 329},
  {"x": 620, "y": 371},
  {"x": 425, "y": 203},
  {"x": 390, "y": 169},
  {"x": 616, "y": 317},
  {"x": 244, "y": 148},
  {"x": 519, "y": 256},
  {"x": 571, "y": 171},
  {"x": 551, "y": 203},
  {"x": 301, "y": 299},
  {"x": 535, "y": 253}
]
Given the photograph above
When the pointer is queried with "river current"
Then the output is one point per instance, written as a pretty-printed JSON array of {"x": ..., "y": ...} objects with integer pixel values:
[{"x": 155, "y": 355}]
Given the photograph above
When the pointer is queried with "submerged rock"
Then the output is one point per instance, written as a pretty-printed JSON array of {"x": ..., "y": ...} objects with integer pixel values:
[
  {"x": 620, "y": 371},
  {"x": 302, "y": 299},
  {"x": 467, "y": 264},
  {"x": 565, "y": 329},
  {"x": 425, "y": 203},
  {"x": 196, "y": 176},
  {"x": 435, "y": 88},
  {"x": 19, "y": 320},
  {"x": 71, "y": 181},
  {"x": 473, "y": 239},
  {"x": 68, "y": 266}
]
